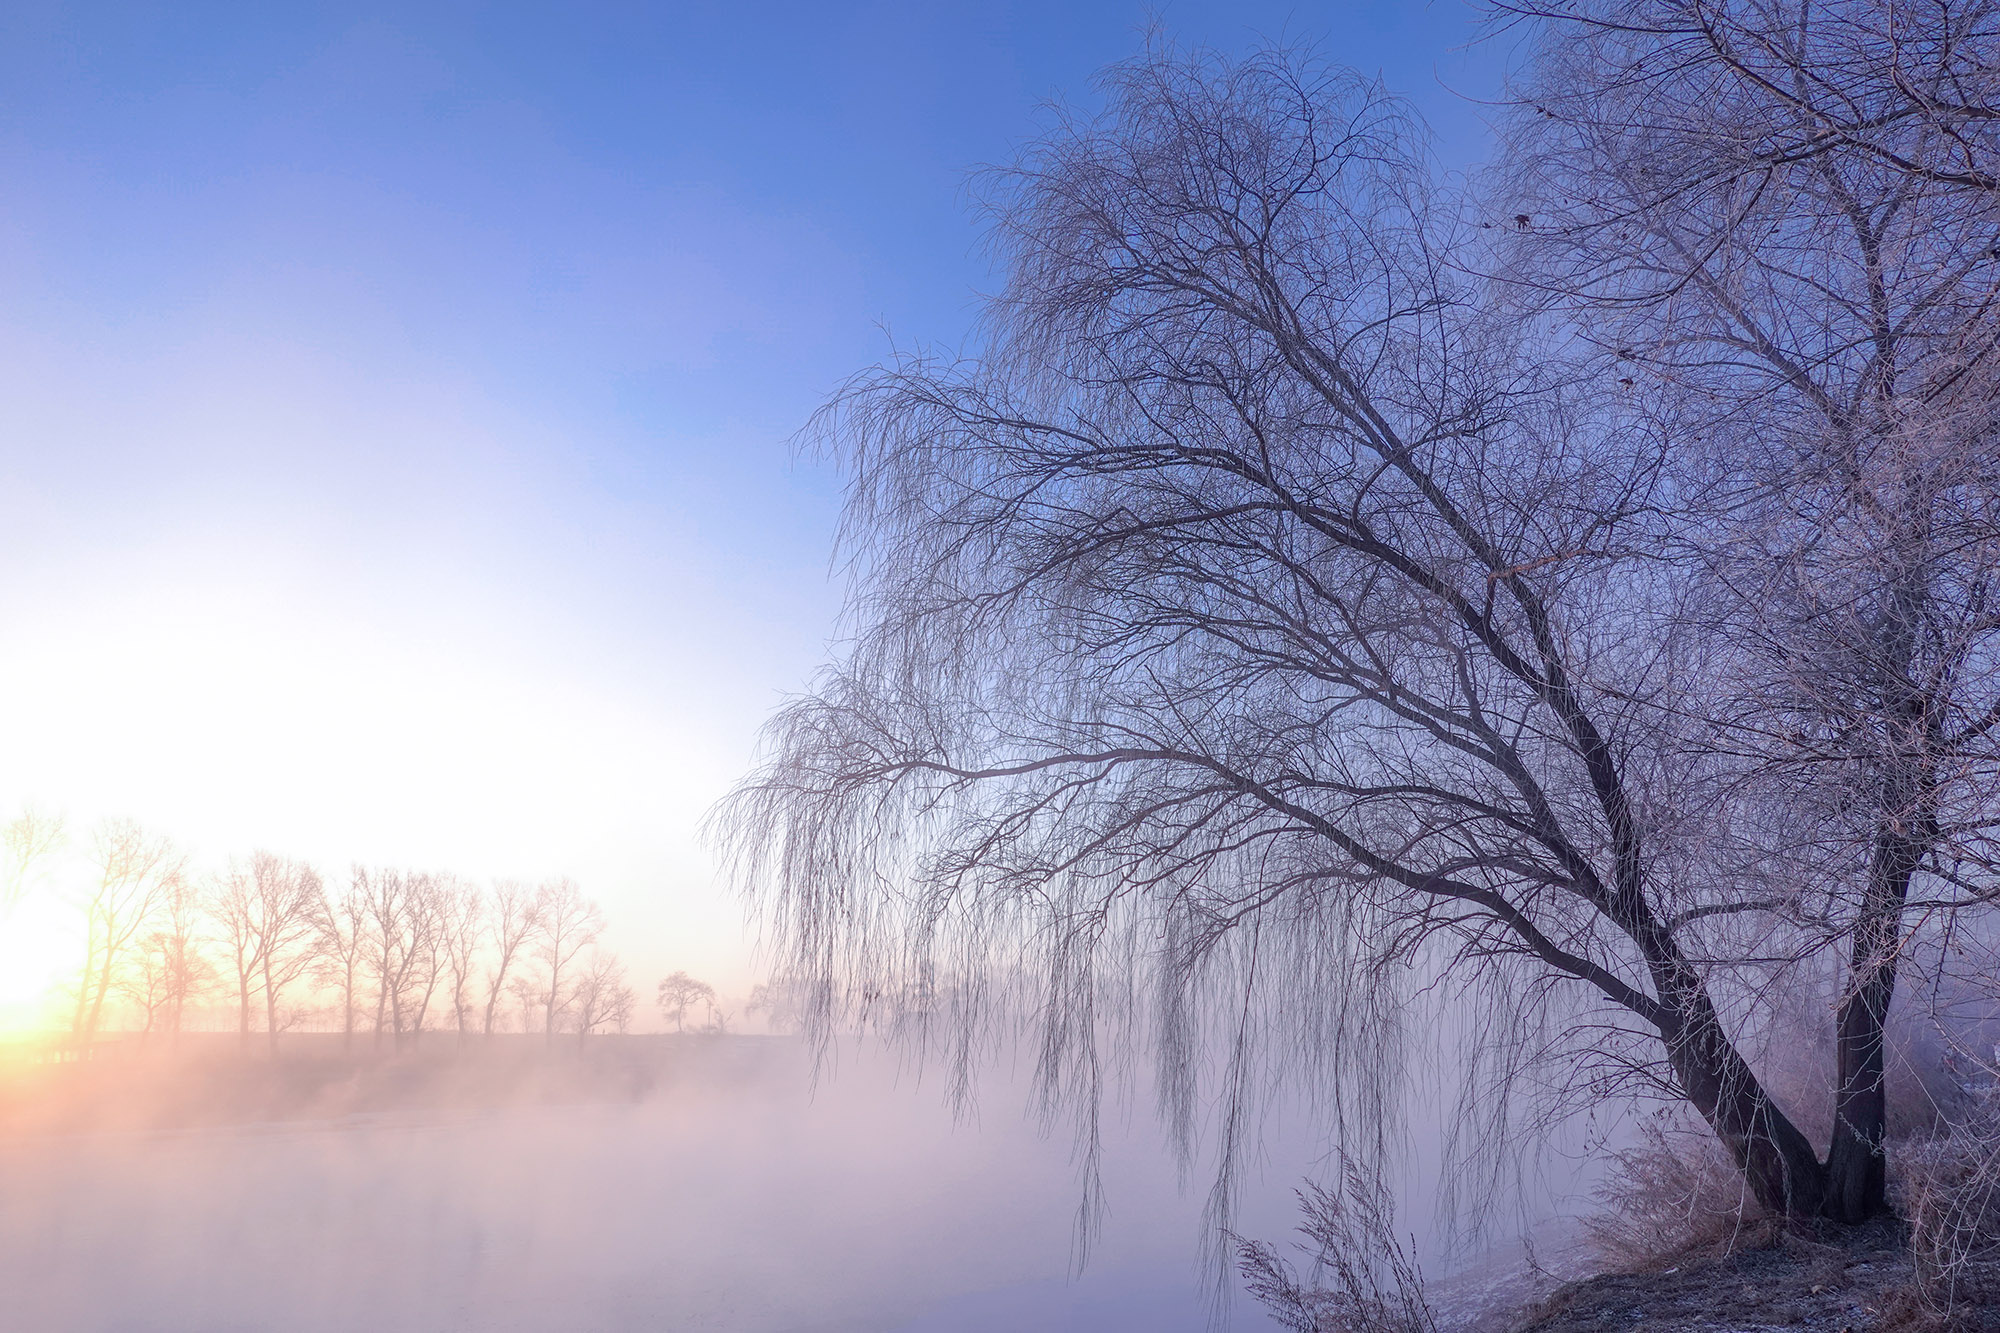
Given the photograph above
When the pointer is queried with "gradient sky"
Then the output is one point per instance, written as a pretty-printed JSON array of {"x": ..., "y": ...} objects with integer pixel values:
[{"x": 397, "y": 401}]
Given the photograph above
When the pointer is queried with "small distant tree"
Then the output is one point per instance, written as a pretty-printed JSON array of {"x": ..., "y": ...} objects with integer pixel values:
[
  {"x": 462, "y": 930},
  {"x": 601, "y": 998},
  {"x": 403, "y": 952},
  {"x": 528, "y": 1001},
  {"x": 567, "y": 923},
  {"x": 780, "y": 1003},
  {"x": 384, "y": 894},
  {"x": 235, "y": 917},
  {"x": 428, "y": 919},
  {"x": 25, "y": 843},
  {"x": 679, "y": 993},
  {"x": 289, "y": 905},
  {"x": 172, "y": 969},
  {"x": 342, "y": 948},
  {"x": 515, "y": 916},
  {"x": 135, "y": 871}
]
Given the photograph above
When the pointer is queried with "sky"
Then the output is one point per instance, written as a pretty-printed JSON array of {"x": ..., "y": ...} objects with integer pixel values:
[{"x": 398, "y": 401}]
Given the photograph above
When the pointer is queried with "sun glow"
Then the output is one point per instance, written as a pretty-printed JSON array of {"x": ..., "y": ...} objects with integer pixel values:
[{"x": 38, "y": 949}]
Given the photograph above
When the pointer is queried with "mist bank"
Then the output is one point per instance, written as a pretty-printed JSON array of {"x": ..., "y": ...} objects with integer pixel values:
[
  {"x": 124, "y": 1085},
  {"x": 698, "y": 1183}
]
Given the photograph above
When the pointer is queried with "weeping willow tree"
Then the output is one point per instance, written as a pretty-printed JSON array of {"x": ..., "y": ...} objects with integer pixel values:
[
  {"x": 1783, "y": 219},
  {"x": 1271, "y": 622}
]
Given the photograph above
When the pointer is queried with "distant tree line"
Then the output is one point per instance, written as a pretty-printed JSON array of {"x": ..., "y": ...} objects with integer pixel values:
[{"x": 387, "y": 954}]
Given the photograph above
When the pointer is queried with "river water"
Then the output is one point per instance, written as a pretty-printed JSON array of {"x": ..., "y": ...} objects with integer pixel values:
[{"x": 758, "y": 1205}]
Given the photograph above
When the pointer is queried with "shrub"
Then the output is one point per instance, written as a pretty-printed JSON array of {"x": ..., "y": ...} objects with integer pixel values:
[
  {"x": 1948, "y": 1187},
  {"x": 1362, "y": 1279},
  {"x": 1672, "y": 1194}
]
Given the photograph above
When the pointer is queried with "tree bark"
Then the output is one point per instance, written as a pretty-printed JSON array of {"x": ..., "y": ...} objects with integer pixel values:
[
  {"x": 1855, "y": 1166},
  {"x": 1777, "y": 1160},
  {"x": 242, "y": 1008},
  {"x": 270, "y": 1010}
]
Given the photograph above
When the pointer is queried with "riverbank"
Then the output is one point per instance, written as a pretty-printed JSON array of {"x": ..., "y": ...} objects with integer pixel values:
[{"x": 1859, "y": 1281}]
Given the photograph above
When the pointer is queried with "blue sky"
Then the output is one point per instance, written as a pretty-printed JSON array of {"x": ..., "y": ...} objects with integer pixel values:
[{"x": 397, "y": 400}]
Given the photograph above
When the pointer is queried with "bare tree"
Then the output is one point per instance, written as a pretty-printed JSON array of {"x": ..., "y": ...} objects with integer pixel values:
[
  {"x": 344, "y": 949},
  {"x": 679, "y": 993},
  {"x": 1781, "y": 224},
  {"x": 567, "y": 923},
  {"x": 272, "y": 917},
  {"x": 515, "y": 917},
  {"x": 388, "y": 908},
  {"x": 402, "y": 948},
  {"x": 25, "y": 843},
  {"x": 428, "y": 917},
  {"x": 135, "y": 872},
  {"x": 1908, "y": 88},
  {"x": 288, "y": 913},
  {"x": 601, "y": 998},
  {"x": 462, "y": 930},
  {"x": 172, "y": 969},
  {"x": 780, "y": 1002},
  {"x": 529, "y": 999},
  {"x": 1265, "y": 607},
  {"x": 236, "y": 915}
]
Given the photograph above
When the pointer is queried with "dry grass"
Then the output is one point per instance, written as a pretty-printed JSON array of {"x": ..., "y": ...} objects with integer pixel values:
[
  {"x": 1675, "y": 1195},
  {"x": 1948, "y": 1187},
  {"x": 1361, "y": 1280}
]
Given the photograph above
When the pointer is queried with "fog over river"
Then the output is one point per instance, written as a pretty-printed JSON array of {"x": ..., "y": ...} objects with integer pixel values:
[
  {"x": 739, "y": 1205},
  {"x": 731, "y": 1198}
]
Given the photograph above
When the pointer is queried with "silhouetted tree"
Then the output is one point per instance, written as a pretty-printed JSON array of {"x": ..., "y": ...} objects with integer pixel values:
[
  {"x": 134, "y": 873},
  {"x": 462, "y": 930},
  {"x": 171, "y": 969},
  {"x": 403, "y": 954},
  {"x": 528, "y": 999},
  {"x": 25, "y": 843},
  {"x": 679, "y": 993},
  {"x": 780, "y": 1003},
  {"x": 515, "y": 917},
  {"x": 566, "y": 923},
  {"x": 601, "y": 998},
  {"x": 428, "y": 919},
  {"x": 290, "y": 910},
  {"x": 235, "y": 914},
  {"x": 344, "y": 949}
]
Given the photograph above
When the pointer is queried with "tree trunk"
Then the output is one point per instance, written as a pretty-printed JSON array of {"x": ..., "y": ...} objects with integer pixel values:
[
  {"x": 270, "y": 1012},
  {"x": 97, "y": 999},
  {"x": 1777, "y": 1160},
  {"x": 1855, "y": 1167},
  {"x": 83, "y": 988},
  {"x": 242, "y": 1008}
]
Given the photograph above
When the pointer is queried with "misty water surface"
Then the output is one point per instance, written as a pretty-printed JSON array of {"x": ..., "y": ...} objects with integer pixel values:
[{"x": 730, "y": 1204}]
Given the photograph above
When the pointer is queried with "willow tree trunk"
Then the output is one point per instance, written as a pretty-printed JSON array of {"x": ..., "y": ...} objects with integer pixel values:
[{"x": 1855, "y": 1164}]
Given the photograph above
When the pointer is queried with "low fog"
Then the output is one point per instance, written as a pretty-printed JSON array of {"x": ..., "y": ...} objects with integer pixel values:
[{"x": 639, "y": 1183}]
